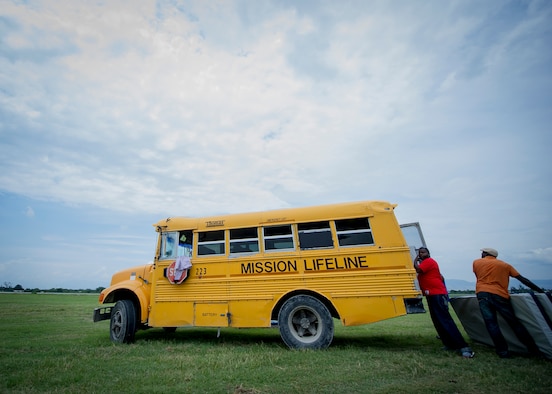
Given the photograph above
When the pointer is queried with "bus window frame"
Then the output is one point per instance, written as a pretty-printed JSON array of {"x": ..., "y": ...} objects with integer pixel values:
[
  {"x": 243, "y": 241},
  {"x": 291, "y": 235},
  {"x": 213, "y": 242},
  {"x": 367, "y": 230},
  {"x": 163, "y": 246},
  {"x": 316, "y": 230}
]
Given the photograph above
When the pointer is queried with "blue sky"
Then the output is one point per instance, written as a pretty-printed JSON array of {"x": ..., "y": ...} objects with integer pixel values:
[{"x": 116, "y": 114}]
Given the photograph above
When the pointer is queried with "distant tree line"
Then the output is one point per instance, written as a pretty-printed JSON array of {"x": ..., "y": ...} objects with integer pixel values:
[
  {"x": 461, "y": 291},
  {"x": 7, "y": 287},
  {"x": 513, "y": 290},
  {"x": 522, "y": 289}
]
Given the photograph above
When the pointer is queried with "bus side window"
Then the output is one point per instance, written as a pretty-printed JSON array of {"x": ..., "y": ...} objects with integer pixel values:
[
  {"x": 315, "y": 235},
  {"x": 351, "y": 232},
  {"x": 210, "y": 242},
  {"x": 244, "y": 240},
  {"x": 169, "y": 242},
  {"x": 278, "y": 238},
  {"x": 204, "y": 250},
  {"x": 185, "y": 243}
]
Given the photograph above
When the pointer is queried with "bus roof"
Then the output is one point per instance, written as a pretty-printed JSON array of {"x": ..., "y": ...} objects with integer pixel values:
[{"x": 277, "y": 216}]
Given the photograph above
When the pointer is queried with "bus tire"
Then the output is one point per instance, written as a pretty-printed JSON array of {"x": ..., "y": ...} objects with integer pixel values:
[
  {"x": 122, "y": 326},
  {"x": 305, "y": 323}
]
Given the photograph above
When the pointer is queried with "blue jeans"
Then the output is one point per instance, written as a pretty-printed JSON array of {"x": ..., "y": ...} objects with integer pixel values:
[
  {"x": 442, "y": 320},
  {"x": 491, "y": 304}
]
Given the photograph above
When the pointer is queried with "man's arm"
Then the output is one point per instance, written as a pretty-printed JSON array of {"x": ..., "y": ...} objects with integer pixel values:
[
  {"x": 529, "y": 284},
  {"x": 417, "y": 264}
]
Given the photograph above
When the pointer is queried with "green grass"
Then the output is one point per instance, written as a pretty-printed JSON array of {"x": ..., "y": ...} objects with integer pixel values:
[{"x": 50, "y": 344}]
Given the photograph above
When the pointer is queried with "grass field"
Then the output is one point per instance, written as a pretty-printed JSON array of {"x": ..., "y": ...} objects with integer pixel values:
[{"x": 50, "y": 345}]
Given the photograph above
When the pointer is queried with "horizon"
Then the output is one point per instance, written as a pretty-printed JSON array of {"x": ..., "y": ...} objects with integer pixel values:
[
  {"x": 116, "y": 114},
  {"x": 514, "y": 283}
]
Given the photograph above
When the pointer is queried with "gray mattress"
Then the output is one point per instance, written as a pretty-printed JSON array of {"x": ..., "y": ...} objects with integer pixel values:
[{"x": 526, "y": 310}]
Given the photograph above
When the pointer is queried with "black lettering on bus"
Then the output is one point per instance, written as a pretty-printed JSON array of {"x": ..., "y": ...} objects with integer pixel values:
[
  {"x": 330, "y": 261},
  {"x": 319, "y": 263},
  {"x": 351, "y": 262},
  {"x": 292, "y": 265},
  {"x": 260, "y": 267},
  {"x": 247, "y": 268},
  {"x": 214, "y": 223}
]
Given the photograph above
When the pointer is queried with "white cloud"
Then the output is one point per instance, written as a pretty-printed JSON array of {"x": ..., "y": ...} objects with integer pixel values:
[
  {"x": 539, "y": 255},
  {"x": 29, "y": 212},
  {"x": 206, "y": 107}
]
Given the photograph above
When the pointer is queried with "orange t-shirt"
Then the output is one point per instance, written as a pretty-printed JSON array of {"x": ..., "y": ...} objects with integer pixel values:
[{"x": 493, "y": 275}]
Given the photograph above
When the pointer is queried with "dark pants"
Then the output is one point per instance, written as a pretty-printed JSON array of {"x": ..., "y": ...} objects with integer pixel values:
[
  {"x": 490, "y": 304},
  {"x": 442, "y": 320}
]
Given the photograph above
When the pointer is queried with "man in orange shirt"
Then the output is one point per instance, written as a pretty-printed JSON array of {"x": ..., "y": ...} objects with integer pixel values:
[{"x": 493, "y": 276}]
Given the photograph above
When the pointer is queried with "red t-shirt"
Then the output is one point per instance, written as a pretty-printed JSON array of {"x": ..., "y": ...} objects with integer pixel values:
[{"x": 430, "y": 279}]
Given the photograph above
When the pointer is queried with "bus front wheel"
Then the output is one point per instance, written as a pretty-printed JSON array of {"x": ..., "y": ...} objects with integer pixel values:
[
  {"x": 305, "y": 323},
  {"x": 122, "y": 326}
]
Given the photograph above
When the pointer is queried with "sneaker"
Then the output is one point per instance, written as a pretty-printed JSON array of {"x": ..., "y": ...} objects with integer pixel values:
[
  {"x": 467, "y": 352},
  {"x": 505, "y": 354}
]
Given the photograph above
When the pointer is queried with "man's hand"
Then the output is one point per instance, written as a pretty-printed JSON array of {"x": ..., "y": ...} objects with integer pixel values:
[{"x": 529, "y": 284}]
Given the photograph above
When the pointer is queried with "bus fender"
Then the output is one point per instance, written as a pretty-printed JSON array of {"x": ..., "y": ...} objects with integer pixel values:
[
  {"x": 130, "y": 289},
  {"x": 286, "y": 296}
]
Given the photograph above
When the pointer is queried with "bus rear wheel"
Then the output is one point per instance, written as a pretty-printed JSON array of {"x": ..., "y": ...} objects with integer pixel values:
[
  {"x": 305, "y": 323},
  {"x": 122, "y": 326}
]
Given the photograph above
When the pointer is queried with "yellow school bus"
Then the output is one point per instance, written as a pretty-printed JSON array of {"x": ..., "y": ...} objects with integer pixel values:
[{"x": 297, "y": 269}]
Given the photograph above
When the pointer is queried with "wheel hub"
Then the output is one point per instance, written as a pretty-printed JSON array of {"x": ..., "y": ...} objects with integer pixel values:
[{"x": 305, "y": 322}]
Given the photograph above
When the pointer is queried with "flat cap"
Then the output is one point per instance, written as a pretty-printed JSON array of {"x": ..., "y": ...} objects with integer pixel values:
[{"x": 491, "y": 251}]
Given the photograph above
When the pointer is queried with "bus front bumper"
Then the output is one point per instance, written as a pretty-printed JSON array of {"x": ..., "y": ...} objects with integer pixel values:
[{"x": 102, "y": 313}]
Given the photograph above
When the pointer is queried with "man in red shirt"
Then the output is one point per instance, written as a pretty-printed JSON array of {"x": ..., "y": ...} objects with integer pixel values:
[
  {"x": 493, "y": 276},
  {"x": 433, "y": 286}
]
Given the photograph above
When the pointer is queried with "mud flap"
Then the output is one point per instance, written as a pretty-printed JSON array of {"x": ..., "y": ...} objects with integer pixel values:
[{"x": 414, "y": 305}]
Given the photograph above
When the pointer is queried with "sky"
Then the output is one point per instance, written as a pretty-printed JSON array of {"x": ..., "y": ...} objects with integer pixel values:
[{"x": 116, "y": 114}]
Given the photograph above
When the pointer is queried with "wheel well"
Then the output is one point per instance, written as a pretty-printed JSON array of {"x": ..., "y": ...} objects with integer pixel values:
[
  {"x": 125, "y": 294},
  {"x": 327, "y": 303}
]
